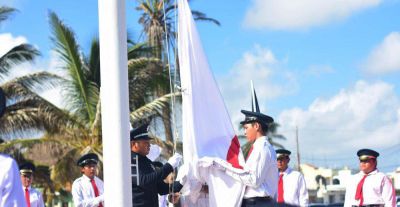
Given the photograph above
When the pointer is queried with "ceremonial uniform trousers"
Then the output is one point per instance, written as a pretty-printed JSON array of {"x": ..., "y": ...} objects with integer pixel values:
[
  {"x": 261, "y": 179},
  {"x": 150, "y": 182},
  {"x": 11, "y": 194},
  {"x": 35, "y": 197},
  {"x": 294, "y": 188},
  {"x": 377, "y": 190},
  {"x": 83, "y": 192}
]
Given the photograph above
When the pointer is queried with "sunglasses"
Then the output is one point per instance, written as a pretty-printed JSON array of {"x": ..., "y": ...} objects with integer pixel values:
[
  {"x": 367, "y": 160},
  {"x": 282, "y": 158}
]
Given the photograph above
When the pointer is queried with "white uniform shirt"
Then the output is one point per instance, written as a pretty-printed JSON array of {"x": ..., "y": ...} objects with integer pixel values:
[
  {"x": 261, "y": 177},
  {"x": 294, "y": 188},
  {"x": 11, "y": 194},
  {"x": 377, "y": 189},
  {"x": 35, "y": 197},
  {"x": 83, "y": 192}
]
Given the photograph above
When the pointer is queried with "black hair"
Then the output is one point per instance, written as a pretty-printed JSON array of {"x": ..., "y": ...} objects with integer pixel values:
[{"x": 264, "y": 127}]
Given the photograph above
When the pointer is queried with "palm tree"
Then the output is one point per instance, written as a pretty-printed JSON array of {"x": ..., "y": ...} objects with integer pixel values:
[
  {"x": 158, "y": 20},
  {"x": 80, "y": 129},
  {"x": 25, "y": 109}
]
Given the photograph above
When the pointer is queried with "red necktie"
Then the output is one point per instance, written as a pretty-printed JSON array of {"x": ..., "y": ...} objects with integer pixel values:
[
  {"x": 28, "y": 201},
  {"x": 359, "y": 192},
  {"x": 248, "y": 154},
  {"x": 96, "y": 190},
  {"x": 280, "y": 189}
]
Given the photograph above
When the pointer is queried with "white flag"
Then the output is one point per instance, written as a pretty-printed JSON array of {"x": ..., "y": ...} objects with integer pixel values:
[{"x": 206, "y": 126}]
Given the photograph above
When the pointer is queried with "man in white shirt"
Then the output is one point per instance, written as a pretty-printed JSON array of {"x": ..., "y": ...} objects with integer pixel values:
[
  {"x": 11, "y": 194},
  {"x": 33, "y": 197},
  {"x": 292, "y": 188},
  {"x": 369, "y": 187},
  {"x": 87, "y": 191},
  {"x": 260, "y": 174}
]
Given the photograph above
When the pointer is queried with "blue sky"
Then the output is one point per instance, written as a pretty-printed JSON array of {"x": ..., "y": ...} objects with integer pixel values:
[{"x": 331, "y": 68}]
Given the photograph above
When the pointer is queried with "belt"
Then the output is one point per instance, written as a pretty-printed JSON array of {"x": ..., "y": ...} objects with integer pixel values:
[
  {"x": 370, "y": 205},
  {"x": 254, "y": 200}
]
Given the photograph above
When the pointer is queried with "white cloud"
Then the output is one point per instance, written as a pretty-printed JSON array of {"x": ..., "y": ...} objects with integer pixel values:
[
  {"x": 364, "y": 116},
  {"x": 385, "y": 57},
  {"x": 301, "y": 14},
  {"x": 7, "y": 42},
  {"x": 267, "y": 73}
]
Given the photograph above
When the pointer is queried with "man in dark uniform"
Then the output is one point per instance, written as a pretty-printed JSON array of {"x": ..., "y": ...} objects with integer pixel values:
[{"x": 147, "y": 181}]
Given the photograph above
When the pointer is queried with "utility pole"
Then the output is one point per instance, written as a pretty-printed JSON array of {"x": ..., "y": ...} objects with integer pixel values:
[{"x": 297, "y": 149}]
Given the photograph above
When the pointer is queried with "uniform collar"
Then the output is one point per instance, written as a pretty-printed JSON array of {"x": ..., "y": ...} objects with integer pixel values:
[
  {"x": 287, "y": 171},
  {"x": 29, "y": 188},
  {"x": 87, "y": 178},
  {"x": 260, "y": 139},
  {"x": 135, "y": 153},
  {"x": 371, "y": 173}
]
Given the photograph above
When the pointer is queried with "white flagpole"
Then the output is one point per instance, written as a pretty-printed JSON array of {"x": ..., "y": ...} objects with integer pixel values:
[{"x": 114, "y": 103}]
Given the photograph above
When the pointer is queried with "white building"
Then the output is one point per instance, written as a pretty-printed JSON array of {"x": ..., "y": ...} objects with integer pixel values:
[{"x": 325, "y": 185}]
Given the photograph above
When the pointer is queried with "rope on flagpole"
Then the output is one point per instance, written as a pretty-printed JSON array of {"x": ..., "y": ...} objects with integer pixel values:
[{"x": 172, "y": 86}]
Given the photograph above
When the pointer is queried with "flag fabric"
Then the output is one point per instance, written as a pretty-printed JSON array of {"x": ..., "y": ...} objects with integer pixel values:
[{"x": 206, "y": 125}]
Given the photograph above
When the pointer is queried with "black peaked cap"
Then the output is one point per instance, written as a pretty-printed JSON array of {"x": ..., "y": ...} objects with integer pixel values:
[
  {"x": 251, "y": 116},
  {"x": 283, "y": 152},
  {"x": 90, "y": 158},
  {"x": 367, "y": 152},
  {"x": 140, "y": 133},
  {"x": 27, "y": 167}
]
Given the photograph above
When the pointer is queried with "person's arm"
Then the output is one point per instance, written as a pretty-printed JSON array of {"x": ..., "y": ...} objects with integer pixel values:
[
  {"x": 388, "y": 192},
  {"x": 254, "y": 171},
  {"x": 12, "y": 194},
  {"x": 303, "y": 193},
  {"x": 40, "y": 200},
  {"x": 155, "y": 177},
  {"x": 348, "y": 196},
  {"x": 80, "y": 200}
]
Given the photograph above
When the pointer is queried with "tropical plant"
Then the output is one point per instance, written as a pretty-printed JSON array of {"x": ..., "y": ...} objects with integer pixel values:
[
  {"x": 25, "y": 110},
  {"x": 158, "y": 21},
  {"x": 79, "y": 129}
]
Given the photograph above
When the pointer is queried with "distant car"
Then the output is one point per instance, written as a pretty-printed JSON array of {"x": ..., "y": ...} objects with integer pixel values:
[
  {"x": 317, "y": 205},
  {"x": 336, "y": 204}
]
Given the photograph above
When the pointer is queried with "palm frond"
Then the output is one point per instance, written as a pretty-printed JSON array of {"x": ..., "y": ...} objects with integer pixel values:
[
  {"x": 10, "y": 145},
  {"x": 94, "y": 62},
  {"x": 5, "y": 12},
  {"x": 65, "y": 170},
  {"x": 26, "y": 111},
  {"x": 82, "y": 94},
  {"x": 17, "y": 55},
  {"x": 139, "y": 50},
  {"x": 203, "y": 17},
  {"x": 39, "y": 81},
  {"x": 152, "y": 108}
]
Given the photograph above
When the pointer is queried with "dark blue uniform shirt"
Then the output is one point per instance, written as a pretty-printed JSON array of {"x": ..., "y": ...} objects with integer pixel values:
[{"x": 145, "y": 193}]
